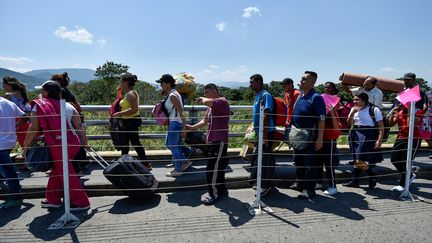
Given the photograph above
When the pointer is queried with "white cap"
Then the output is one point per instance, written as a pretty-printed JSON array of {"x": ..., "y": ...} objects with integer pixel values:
[{"x": 39, "y": 87}]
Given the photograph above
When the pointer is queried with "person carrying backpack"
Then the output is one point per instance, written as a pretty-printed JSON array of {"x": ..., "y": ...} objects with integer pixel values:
[
  {"x": 256, "y": 83},
  {"x": 177, "y": 123},
  {"x": 364, "y": 143}
]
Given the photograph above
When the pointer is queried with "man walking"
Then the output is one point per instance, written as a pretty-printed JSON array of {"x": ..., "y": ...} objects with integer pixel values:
[
  {"x": 309, "y": 113},
  {"x": 256, "y": 83},
  {"x": 8, "y": 113},
  {"x": 217, "y": 119}
]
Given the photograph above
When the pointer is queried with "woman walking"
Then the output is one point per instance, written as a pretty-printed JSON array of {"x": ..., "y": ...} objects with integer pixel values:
[
  {"x": 365, "y": 138},
  {"x": 131, "y": 118},
  {"x": 45, "y": 118}
]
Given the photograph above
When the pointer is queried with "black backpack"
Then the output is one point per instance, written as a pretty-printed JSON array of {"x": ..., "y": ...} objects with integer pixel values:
[{"x": 386, "y": 125}]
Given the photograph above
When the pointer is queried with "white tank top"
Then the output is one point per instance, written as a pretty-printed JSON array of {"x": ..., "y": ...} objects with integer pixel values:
[{"x": 173, "y": 114}]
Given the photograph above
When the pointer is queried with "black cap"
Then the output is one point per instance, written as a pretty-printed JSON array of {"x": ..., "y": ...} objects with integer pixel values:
[
  {"x": 409, "y": 76},
  {"x": 287, "y": 81},
  {"x": 166, "y": 78}
]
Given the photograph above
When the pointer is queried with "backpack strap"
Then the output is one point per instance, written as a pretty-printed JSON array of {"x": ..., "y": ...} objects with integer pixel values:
[{"x": 372, "y": 112}]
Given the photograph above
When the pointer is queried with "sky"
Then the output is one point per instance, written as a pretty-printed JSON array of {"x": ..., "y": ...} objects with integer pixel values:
[{"x": 222, "y": 40}]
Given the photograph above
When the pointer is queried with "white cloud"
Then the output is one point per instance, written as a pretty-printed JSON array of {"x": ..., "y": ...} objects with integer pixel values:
[
  {"x": 79, "y": 35},
  {"x": 388, "y": 70},
  {"x": 15, "y": 60},
  {"x": 220, "y": 26},
  {"x": 102, "y": 42},
  {"x": 20, "y": 70},
  {"x": 213, "y": 74},
  {"x": 249, "y": 11}
]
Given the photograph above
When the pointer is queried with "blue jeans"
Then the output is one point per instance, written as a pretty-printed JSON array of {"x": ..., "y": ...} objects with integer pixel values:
[
  {"x": 173, "y": 141},
  {"x": 9, "y": 173}
]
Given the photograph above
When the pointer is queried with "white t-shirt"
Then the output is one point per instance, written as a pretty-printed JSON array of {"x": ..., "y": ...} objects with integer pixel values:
[
  {"x": 375, "y": 95},
  {"x": 173, "y": 114},
  {"x": 363, "y": 118},
  {"x": 9, "y": 111}
]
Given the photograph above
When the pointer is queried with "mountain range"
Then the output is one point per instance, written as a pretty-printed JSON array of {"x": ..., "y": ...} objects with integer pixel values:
[{"x": 37, "y": 77}]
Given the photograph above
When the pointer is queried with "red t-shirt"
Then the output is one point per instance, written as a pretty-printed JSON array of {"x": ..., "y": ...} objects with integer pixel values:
[
  {"x": 330, "y": 132},
  {"x": 290, "y": 98},
  {"x": 402, "y": 121},
  {"x": 218, "y": 119}
]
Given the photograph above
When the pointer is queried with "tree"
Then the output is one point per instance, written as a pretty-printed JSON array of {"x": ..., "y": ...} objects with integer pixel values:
[{"x": 111, "y": 71}]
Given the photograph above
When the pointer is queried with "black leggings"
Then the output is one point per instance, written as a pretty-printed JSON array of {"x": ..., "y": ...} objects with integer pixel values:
[{"x": 130, "y": 129}]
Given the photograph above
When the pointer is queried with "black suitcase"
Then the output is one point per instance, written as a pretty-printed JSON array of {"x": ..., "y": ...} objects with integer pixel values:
[
  {"x": 197, "y": 140},
  {"x": 131, "y": 177}
]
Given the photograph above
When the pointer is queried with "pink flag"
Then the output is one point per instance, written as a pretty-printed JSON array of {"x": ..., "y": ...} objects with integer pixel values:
[
  {"x": 409, "y": 95},
  {"x": 330, "y": 101}
]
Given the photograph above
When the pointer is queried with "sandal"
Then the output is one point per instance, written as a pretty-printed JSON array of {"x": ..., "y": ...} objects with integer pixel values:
[{"x": 209, "y": 200}]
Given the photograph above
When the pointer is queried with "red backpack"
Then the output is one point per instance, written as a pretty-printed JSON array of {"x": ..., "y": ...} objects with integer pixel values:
[{"x": 280, "y": 112}]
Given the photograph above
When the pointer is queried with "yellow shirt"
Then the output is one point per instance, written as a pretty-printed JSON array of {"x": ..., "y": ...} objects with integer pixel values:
[{"x": 124, "y": 103}]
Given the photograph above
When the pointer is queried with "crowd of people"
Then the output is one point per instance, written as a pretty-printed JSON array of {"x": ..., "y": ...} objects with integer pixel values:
[{"x": 307, "y": 115}]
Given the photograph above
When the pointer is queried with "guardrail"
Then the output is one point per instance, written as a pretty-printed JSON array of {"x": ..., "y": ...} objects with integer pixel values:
[{"x": 191, "y": 109}]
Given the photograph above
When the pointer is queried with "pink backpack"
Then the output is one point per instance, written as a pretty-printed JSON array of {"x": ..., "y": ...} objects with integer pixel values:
[{"x": 160, "y": 113}]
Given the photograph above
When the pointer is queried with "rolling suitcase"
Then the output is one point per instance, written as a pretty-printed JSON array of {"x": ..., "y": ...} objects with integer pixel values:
[{"x": 128, "y": 175}]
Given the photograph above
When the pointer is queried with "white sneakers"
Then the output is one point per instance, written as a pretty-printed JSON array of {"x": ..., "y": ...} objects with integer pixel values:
[
  {"x": 174, "y": 173},
  {"x": 401, "y": 188},
  {"x": 398, "y": 189},
  {"x": 331, "y": 191}
]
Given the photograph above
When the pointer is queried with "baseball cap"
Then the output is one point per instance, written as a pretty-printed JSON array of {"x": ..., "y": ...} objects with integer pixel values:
[
  {"x": 166, "y": 78},
  {"x": 287, "y": 81},
  {"x": 409, "y": 76},
  {"x": 50, "y": 86}
]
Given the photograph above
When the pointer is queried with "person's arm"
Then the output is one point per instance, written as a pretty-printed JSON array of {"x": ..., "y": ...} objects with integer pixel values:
[
  {"x": 177, "y": 105},
  {"x": 350, "y": 119},
  {"x": 32, "y": 131},
  {"x": 319, "y": 140},
  {"x": 198, "y": 125},
  {"x": 393, "y": 118},
  {"x": 79, "y": 128},
  {"x": 378, "y": 143},
  {"x": 205, "y": 101}
]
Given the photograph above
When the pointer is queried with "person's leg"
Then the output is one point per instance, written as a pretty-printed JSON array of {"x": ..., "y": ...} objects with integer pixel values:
[
  {"x": 300, "y": 169},
  {"x": 10, "y": 174},
  {"x": 311, "y": 165},
  {"x": 172, "y": 142},
  {"x": 125, "y": 137},
  {"x": 211, "y": 164},
  {"x": 268, "y": 163},
  {"x": 54, "y": 193},
  {"x": 135, "y": 141}
]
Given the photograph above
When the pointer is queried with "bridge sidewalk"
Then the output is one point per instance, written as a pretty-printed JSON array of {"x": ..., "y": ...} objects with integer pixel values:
[{"x": 237, "y": 176}]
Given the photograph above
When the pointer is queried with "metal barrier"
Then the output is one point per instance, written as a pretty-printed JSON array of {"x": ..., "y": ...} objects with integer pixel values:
[{"x": 193, "y": 118}]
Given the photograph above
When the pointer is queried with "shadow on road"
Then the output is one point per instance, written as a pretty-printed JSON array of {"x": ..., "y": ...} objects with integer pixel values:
[
  {"x": 329, "y": 205},
  {"x": 235, "y": 209},
  {"x": 10, "y": 214},
  {"x": 38, "y": 227},
  {"x": 127, "y": 205}
]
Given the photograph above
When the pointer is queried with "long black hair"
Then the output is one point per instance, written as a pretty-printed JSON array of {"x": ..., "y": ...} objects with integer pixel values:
[{"x": 17, "y": 86}]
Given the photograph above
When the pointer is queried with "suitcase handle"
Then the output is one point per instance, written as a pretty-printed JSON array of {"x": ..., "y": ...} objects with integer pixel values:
[{"x": 101, "y": 161}]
